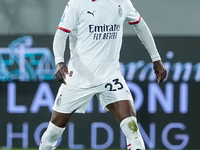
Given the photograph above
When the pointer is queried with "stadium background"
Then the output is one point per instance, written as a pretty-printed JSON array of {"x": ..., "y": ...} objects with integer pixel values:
[{"x": 167, "y": 114}]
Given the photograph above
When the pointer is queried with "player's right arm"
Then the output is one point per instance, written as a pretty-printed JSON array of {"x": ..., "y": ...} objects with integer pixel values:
[
  {"x": 59, "y": 49},
  {"x": 68, "y": 22}
]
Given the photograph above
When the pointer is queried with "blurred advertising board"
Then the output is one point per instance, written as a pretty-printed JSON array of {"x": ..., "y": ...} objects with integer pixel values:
[{"x": 167, "y": 113}]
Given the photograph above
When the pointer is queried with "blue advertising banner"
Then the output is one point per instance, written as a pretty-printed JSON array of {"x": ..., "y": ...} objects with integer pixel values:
[{"x": 166, "y": 112}]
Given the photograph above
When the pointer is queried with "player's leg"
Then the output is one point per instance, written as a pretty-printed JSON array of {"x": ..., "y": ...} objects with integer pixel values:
[
  {"x": 125, "y": 114},
  {"x": 122, "y": 109},
  {"x": 68, "y": 100},
  {"x": 117, "y": 97},
  {"x": 54, "y": 130},
  {"x": 60, "y": 119}
]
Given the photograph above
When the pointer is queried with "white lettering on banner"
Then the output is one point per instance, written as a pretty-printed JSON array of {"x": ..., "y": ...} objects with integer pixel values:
[
  {"x": 144, "y": 71},
  {"x": 110, "y": 136},
  {"x": 43, "y": 98},
  {"x": 22, "y": 52},
  {"x": 182, "y": 137},
  {"x": 166, "y": 101},
  {"x": 11, "y": 102},
  {"x": 183, "y": 106},
  {"x": 179, "y": 68},
  {"x": 179, "y": 71},
  {"x": 133, "y": 67},
  {"x": 23, "y": 135},
  {"x": 197, "y": 75},
  {"x": 22, "y": 62},
  {"x": 151, "y": 139},
  {"x": 72, "y": 137}
]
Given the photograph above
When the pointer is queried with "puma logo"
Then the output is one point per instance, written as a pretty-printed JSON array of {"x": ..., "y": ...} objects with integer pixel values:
[{"x": 91, "y": 13}]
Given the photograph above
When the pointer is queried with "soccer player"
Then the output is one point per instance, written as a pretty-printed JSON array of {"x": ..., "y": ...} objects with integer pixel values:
[{"x": 95, "y": 30}]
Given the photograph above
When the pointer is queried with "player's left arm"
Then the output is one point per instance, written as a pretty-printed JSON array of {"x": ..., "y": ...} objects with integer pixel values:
[{"x": 147, "y": 40}]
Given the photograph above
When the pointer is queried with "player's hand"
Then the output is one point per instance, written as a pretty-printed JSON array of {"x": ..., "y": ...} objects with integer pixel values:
[
  {"x": 61, "y": 71},
  {"x": 160, "y": 70}
]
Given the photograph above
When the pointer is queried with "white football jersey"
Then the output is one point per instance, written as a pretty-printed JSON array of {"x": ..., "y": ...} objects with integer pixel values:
[{"x": 96, "y": 30}]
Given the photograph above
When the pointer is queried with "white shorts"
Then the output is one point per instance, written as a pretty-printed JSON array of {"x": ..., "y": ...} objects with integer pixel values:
[{"x": 72, "y": 99}]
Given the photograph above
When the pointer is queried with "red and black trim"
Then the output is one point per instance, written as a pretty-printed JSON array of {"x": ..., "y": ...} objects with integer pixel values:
[
  {"x": 135, "y": 22},
  {"x": 63, "y": 29},
  {"x": 93, "y": 0}
]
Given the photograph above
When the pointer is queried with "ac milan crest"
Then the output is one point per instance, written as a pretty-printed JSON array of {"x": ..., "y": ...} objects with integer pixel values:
[
  {"x": 58, "y": 101},
  {"x": 120, "y": 11}
]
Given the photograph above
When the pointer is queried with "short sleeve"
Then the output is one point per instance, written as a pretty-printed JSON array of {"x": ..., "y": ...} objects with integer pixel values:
[
  {"x": 133, "y": 17},
  {"x": 70, "y": 17}
]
